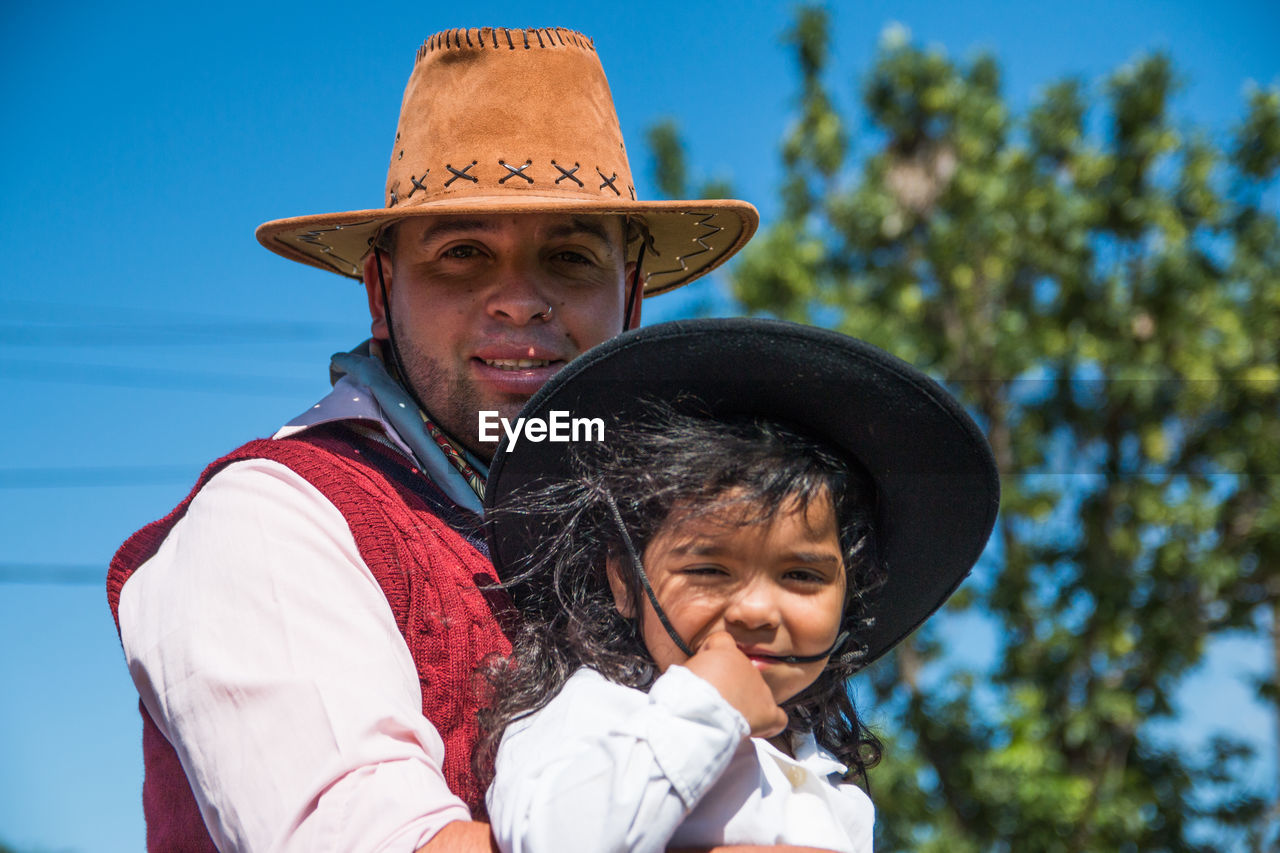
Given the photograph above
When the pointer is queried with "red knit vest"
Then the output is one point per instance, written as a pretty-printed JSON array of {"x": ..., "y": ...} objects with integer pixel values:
[{"x": 427, "y": 570}]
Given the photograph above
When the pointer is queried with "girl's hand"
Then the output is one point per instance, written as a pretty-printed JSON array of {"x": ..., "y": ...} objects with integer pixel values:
[{"x": 720, "y": 661}]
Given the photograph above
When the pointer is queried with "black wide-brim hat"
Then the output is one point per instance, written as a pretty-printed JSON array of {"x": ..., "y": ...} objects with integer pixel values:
[{"x": 937, "y": 487}]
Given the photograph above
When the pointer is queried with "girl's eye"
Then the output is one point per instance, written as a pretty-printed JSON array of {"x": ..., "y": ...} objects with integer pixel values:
[
  {"x": 704, "y": 571},
  {"x": 806, "y": 576}
]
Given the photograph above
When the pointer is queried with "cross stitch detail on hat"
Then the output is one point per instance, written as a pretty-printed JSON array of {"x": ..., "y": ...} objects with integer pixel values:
[{"x": 498, "y": 120}]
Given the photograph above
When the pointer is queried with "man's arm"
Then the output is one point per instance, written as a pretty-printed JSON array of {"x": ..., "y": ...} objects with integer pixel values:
[
  {"x": 265, "y": 651},
  {"x": 740, "y": 849},
  {"x": 467, "y": 837},
  {"x": 463, "y": 837}
]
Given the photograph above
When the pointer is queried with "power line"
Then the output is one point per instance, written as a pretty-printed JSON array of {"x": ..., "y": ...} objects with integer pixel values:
[
  {"x": 77, "y": 312},
  {"x": 53, "y": 573},
  {"x": 99, "y": 334},
  {"x": 96, "y": 476},
  {"x": 147, "y": 377}
]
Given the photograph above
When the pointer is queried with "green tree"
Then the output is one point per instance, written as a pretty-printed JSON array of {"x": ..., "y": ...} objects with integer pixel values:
[{"x": 1108, "y": 305}]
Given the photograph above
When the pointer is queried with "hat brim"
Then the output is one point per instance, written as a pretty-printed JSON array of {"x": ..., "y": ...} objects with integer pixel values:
[
  {"x": 688, "y": 238},
  {"x": 937, "y": 486}
]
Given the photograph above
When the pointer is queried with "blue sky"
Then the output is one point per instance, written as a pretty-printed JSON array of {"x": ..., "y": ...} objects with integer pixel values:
[{"x": 145, "y": 332}]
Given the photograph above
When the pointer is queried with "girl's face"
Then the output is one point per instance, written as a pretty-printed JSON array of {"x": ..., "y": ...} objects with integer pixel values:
[{"x": 777, "y": 587}]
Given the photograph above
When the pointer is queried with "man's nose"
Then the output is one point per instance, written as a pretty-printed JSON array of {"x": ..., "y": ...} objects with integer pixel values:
[{"x": 516, "y": 297}]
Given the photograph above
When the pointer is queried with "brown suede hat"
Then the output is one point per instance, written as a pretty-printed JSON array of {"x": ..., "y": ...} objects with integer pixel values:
[{"x": 498, "y": 120}]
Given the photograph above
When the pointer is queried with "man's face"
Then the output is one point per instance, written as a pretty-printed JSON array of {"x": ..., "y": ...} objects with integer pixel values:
[{"x": 488, "y": 308}]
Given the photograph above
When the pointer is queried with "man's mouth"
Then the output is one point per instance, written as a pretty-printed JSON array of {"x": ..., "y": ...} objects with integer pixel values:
[
  {"x": 516, "y": 363},
  {"x": 518, "y": 374}
]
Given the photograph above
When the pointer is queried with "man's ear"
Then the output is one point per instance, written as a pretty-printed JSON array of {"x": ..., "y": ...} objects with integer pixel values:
[
  {"x": 634, "y": 294},
  {"x": 618, "y": 585},
  {"x": 373, "y": 289}
]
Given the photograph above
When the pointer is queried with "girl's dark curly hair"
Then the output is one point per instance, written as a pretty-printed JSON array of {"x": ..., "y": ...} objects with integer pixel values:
[{"x": 649, "y": 467}]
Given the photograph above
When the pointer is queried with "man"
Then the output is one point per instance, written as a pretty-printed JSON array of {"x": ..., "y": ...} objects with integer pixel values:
[{"x": 304, "y": 629}]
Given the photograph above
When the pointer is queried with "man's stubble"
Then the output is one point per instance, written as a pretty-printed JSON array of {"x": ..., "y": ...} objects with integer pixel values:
[{"x": 452, "y": 400}]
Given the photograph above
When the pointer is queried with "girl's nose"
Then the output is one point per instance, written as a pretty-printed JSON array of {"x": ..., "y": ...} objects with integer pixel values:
[{"x": 755, "y": 606}]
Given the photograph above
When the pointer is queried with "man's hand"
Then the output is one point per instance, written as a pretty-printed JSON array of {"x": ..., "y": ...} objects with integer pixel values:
[
  {"x": 773, "y": 848},
  {"x": 461, "y": 836},
  {"x": 720, "y": 661}
]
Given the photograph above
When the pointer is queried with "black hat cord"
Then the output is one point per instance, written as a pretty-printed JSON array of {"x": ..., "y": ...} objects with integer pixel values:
[
  {"x": 635, "y": 288},
  {"x": 666, "y": 622},
  {"x": 396, "y": 361}
]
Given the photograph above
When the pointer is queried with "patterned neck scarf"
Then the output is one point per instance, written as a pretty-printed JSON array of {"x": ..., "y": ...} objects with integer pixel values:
[
  {"x": 430, "y": 445},
  {"x": 455, "y": 456}
]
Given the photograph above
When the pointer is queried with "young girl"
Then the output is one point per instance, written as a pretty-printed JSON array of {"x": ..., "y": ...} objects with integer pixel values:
[{"x": 697, "y": 587}]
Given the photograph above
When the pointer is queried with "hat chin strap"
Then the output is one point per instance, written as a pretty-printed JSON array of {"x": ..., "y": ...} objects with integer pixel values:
[
  {"x": 666, "y": 623},
  {"x": 405, "y": 381},
  {"x": 636, "y": 286}
]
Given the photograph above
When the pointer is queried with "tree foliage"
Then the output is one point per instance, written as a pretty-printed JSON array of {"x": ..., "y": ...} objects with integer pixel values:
[{"x": 1100, "y": 284}]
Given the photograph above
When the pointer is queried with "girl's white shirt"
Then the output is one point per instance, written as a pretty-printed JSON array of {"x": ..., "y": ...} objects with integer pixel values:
[{"x": 606, "y": 767}]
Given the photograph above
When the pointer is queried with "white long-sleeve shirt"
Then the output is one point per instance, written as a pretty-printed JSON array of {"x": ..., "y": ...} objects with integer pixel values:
[
  {"x": 605, "y": 767},
  {"x": 266, "y": 653}
]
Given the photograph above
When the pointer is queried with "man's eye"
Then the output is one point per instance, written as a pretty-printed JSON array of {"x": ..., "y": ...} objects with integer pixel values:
[
  {"x": 572, "y": 257},
  {"x": 463, "y": 251}
]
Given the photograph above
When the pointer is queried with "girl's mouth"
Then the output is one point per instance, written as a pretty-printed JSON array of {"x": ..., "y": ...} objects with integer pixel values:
[{"x": 761, "y": 657}]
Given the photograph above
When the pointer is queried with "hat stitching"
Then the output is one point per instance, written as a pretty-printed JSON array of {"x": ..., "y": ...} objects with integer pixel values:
[
  {"x": 453, "y": 39},
  {"x": 314, "y": 238},
  {"x": 608, "y": 182},
  {"x": 418, "y": 183},
  {"x": 705, "y": 222},
  {"x": 568, "y": 173},
  {"x": 514, "y": 171},
  {"x": 461, "y": 174}
]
